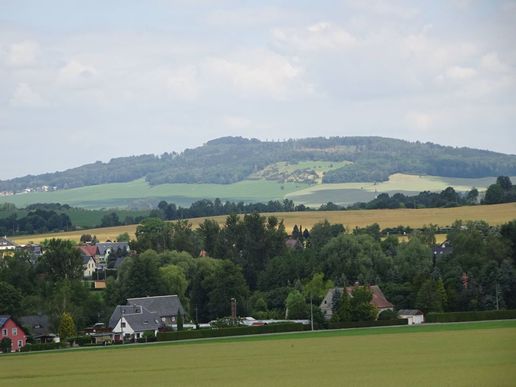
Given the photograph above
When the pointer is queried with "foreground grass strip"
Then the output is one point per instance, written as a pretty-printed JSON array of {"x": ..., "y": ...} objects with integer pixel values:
[{"x": 478, "y": 354}]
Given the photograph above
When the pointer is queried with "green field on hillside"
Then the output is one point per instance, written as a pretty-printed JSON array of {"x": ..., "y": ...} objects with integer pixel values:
[
  {"x": 349, "y": 193},
  {"x": 138, "y": 194},
  {"x": 476, "y": 354}
]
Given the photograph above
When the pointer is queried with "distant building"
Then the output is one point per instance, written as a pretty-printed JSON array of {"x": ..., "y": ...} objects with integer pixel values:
[
  {"x": 166, "y": 307},
  {"x": 7, "y": 247},
  {"x": 414, "y": 316},
  {"x": 38, "y": 327},
  {"x": 132, "y": 321},
  {"x": 379, "y": 301},
  {"x": 12, "y": 330}
]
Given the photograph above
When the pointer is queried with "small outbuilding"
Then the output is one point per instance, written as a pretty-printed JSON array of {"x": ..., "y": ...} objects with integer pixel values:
[{"x": 414, "y": 316}]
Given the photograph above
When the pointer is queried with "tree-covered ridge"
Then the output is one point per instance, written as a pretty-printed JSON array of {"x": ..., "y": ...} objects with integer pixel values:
[{"x": 231, "y": 159}]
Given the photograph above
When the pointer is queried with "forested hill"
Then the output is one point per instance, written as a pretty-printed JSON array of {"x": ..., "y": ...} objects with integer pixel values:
[{"x": 230, "y": 159}]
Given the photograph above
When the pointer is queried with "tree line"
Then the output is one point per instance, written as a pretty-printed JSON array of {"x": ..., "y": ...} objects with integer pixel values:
[
  {"x": 247, "y": 258},
  {"x": 228, "y": 160}
]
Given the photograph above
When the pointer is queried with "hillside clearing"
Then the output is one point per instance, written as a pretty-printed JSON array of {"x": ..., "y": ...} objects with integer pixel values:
[
  {"x": 470, "y": 356},
  {"x": 493, "y": 214}
]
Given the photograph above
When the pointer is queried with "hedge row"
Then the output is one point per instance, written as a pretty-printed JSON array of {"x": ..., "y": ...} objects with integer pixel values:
[
  {"x": 223, "y": 332},
  {"x": 41, "y": 347},
  {"x": 363, "y": 324},
  {"x": 471, "y": 316}
]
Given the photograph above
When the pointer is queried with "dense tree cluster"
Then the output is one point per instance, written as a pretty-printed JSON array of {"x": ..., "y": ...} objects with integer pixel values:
[
  {"x": 501, "y": 192},
  {"x": 232, "y": 159},
  {"x": 35, "y": 221},
  {"x": 247, "y": 258}
]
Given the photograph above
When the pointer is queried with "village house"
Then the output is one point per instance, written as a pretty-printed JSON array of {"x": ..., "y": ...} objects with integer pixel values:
[
  {"x": 12, "y": 330},
  {"x": 379, "y": 301},
  {"x": 133, "y": 321},
  {"x": 7, "y": 247},
  {"x": 103, "y": 250},
  {"x": 166, "y": 307},
  {"x": 38, "y": 327}
]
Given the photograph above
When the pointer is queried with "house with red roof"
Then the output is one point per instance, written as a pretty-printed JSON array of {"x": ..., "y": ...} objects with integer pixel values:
[
  {"x": 12, "y": 330},
  {"x": 379, "y": 301}
]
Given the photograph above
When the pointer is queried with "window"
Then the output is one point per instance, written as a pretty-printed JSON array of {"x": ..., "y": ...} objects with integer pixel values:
[
  {"x": 20, "y": 344},
  {"x": 4, "y": 332},
  {"x": 15, "y": 331},
  {"x": 123, "y": 324}
]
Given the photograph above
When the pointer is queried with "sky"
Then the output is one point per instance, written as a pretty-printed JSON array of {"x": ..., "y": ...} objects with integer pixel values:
[{"x": 82, "y": 81}]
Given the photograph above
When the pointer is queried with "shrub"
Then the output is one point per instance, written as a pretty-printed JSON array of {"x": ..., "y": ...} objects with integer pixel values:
[
  {"x": 225, "y": 332},
  {"x": 388, "y": 315},
  {"x": 363, "y": 324},
  {"x": 471, "y": 316},
  {"x": 41, "y": 347}
]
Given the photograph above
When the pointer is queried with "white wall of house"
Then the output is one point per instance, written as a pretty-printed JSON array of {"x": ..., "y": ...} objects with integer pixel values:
[
  {"x": 89, "y": 268},
  {"x": 414, "y": 319},
  {"x": 127, "y": 329}
]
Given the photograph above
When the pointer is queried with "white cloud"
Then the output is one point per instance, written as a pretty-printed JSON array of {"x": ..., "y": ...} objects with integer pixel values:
[
  {"x": 384, "y": 8},
  {"x": 492, "y": 63},
  {"x": 22, "y": 53},
  {"x": 236, "y": 122},
  {"x": 76, "y": 74},
  {"x": 259, "y": 73},
  {"x": 420, "y": 122},
  {"x": 460, "y": 73},
  {"x": 316, "y": 37},
  {"x": 183, "y": 83},
  {"x": 25, "y": 96}
]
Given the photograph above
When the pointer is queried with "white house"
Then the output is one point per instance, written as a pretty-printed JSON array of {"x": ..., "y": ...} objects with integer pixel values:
[
  {"x": 89, "y": 265},
  {"x": 414, "y": 316},
  {"x": 132, "y": 321}
]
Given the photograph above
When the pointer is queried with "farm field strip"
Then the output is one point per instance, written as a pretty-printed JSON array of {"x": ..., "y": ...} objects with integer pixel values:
[
  {"x": 492, "y": 214},
  {"x": 138, "y": 192},
  {"x": 475, "y": 354}
]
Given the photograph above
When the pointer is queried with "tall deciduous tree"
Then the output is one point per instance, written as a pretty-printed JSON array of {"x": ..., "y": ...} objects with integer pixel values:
[
  {"x": 62, "y": 260},
  {"x": 66, "y": 326}
]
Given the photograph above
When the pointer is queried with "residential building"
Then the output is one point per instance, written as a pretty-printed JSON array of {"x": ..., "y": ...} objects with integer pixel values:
[
  {"x": 132, "y": 321},
  {"x": 38, "y": 327},
  {"x": 166, "y": 307},
  {"x": 12, "y": 330},
  {"x": 379, "y": 301}
]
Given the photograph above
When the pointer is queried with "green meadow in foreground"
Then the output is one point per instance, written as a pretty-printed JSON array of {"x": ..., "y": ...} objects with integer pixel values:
[{"x": 474, "y": 354}]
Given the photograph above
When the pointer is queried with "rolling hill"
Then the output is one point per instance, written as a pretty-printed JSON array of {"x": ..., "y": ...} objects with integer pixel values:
[{"x": 311, "y": 171}]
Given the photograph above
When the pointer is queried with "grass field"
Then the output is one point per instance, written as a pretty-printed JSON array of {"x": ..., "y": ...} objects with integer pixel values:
[
  {"x": 493, "y": 214},
  {"x": 476, "y": 354},
  {"x": 348, "y": 193},
  {"x": 138, "y": 194}
]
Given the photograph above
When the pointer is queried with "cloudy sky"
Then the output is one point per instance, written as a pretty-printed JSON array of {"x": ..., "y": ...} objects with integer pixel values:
[{"x": 82, "y": 81}]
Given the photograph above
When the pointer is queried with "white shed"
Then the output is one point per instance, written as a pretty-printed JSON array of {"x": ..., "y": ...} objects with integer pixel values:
[{"x": 414, "y": 316}]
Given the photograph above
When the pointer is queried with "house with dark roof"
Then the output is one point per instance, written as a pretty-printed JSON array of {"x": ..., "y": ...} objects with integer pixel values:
[
  {"x": 132, "y": 321},
  {"x": 38, "y": 327},
  {"x": 166, "y": 307},
  {"x": 106, "y": 248},
  {"x": 379, "y": 301},
  {"x": 12, "y": 330},
  {"x": 89, "y": 266}
]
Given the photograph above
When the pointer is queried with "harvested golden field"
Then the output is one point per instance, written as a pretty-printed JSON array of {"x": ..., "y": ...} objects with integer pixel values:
[{"x": 493, "y": 214}]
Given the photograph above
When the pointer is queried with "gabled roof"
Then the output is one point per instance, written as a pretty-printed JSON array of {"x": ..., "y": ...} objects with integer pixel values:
[
  {"x": 3, "y": 319},
  {"x": 164, "y": 306},
  {"x": 102, "y": 247},
  {"x": 378, "y": 300},
  {"x": 6, "y": 243},
  {"x": 86, "y": 259},
  {"x": 139, "y": 318},
  {"x": 409, "y": 312},
  {"x": 88, "y": 250},
  {"x": 37, "y": 324}
]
